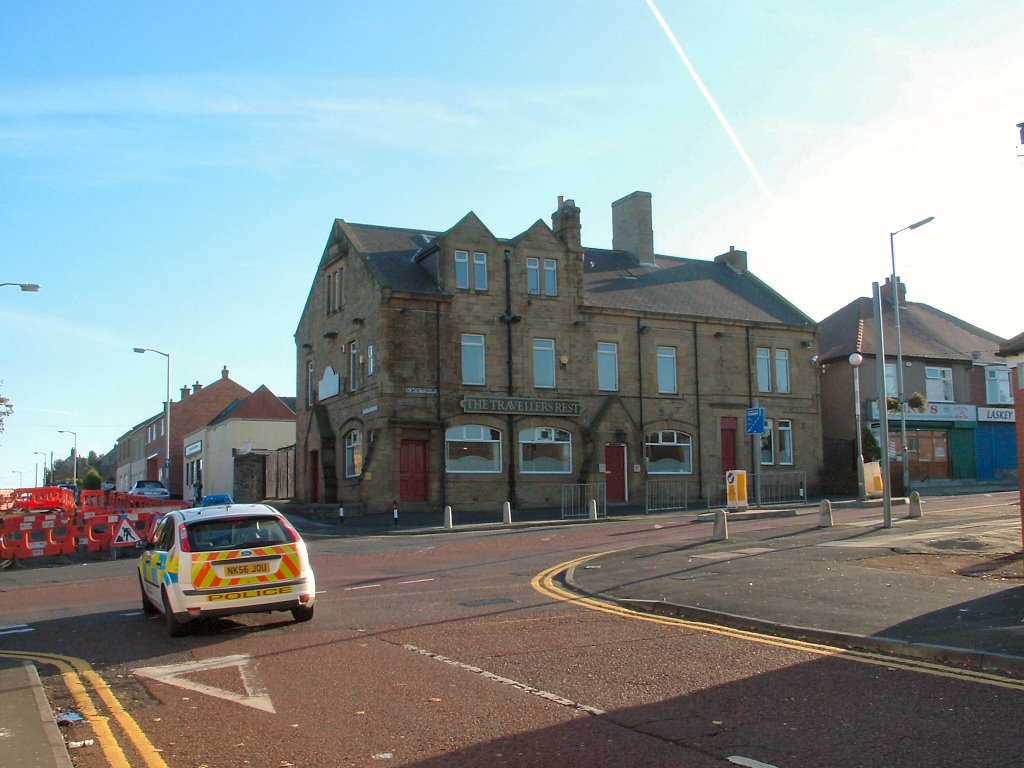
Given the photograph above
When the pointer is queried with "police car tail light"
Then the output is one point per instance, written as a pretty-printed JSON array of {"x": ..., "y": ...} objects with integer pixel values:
[
  {"x": 293, "y": 535},
  {"x": 183, "y": 544},
  {"x": 305, "y": 598}
]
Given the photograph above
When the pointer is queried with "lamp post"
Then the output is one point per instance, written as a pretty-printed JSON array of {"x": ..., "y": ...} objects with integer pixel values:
[
  {"x": 855, "y": 361},
  {"x": 167, "y": 415},
  {"x": 40, "y": 453},
  {"x": 74, "y": 455},
  {"x": 26, "y": 287},
  {"x": 899, "y": 353}
]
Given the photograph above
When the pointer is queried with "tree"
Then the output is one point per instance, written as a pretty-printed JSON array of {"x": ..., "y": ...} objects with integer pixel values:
[
  {"x": 93, "y": 481},
  {"x": 6, "y": 409}
]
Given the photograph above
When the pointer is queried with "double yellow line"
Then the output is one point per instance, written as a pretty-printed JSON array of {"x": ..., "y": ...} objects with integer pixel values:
[
  {"x": 545, "y": 583},
  {"x": 77, "y": 674}
]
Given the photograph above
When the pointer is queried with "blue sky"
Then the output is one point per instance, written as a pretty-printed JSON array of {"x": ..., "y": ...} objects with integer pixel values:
[{"x": 169, "y": 172}]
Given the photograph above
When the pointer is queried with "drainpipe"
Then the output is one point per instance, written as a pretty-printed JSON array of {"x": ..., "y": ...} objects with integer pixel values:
[
  {"x": 508, "y": 319},
  {"x": 443, "y": 473},
  {"x": 700, "y": 433},
  {"x": 640, "y": 375}
]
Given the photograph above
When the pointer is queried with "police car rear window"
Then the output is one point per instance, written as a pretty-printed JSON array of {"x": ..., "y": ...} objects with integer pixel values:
[{"x": 236, "y": 533}]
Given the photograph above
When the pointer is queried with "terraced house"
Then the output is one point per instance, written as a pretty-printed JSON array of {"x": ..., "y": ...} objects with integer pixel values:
[{"x": 460, "y": 368}]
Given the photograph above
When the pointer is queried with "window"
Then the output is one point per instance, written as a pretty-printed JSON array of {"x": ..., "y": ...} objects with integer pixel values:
[
  {"x": 473, "y": 371},
  {"x": 997, "y": 386},
  {"x": 764, "y": 369},
  {"x": 310, "y": 383},
  {"x": 545, "y": 450},
  {"x": 544, "y": 363},
  {"x": 480, "y": 271},
  {"x": 533, "y": 277},
  {"x": 473, "y": 448},
  {"x": 938, "y": 384},
  {"x": 333, "y": 280},
  {"x": 161, "y": 427},
  {"x": 550, "y": 277},
  {"x": 782, "y": 370},
  {"x": 667, "y": 370},
  {"x": 353, "y": 366},
  {"x": 353, "y": 454},
  {"x": 371, "y": 366},
  {"x": 785, "y": 441},
  {"x": 607, "y": 366},
  {"x": 462, "y": 270},
  {"x": 767, "y": 444},
  {"x": 890, "y": 380},
  {"x": 669, "y": 453}
]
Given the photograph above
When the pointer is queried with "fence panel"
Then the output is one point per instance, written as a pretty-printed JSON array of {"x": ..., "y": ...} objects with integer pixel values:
[
  {"x": 665, "y": 494},
  {"x": 576, "y": 500},
  {"x": 781, "y": 487}
]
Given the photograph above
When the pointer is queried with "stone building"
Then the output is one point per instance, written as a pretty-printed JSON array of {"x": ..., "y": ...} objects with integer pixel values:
[{"x": 465, "y": 369}]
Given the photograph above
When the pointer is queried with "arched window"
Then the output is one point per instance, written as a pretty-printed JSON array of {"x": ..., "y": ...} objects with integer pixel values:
[
  {"x": 473, "y": 448},
  {"x": 669, "y": 453},
  {"x": 545, "y": 450},
  {"x": 353, "y": 454}
]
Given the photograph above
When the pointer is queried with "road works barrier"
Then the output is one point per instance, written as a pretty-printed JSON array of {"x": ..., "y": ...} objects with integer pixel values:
[{"x": 96, "y": 527}]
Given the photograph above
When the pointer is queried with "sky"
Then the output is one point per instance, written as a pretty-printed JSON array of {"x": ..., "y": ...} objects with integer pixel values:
[{"x": 169, "y": 172}]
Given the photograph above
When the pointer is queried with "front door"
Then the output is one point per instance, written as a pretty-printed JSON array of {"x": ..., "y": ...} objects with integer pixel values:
[
  {"x": 314, "y": 476},
  {"x": 615, "y": 472},
  {"x": 728, "y": 437},
  {"x": 928, "y": 455},
  {"x": 412, "y": 470}
]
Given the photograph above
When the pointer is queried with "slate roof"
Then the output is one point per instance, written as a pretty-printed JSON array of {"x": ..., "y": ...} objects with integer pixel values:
[
  {"x": 925, "y": 332},
  {"x": 261, "y": 405},
  {"x": 612, "y": 279},
  {"x": 1014, "y": 346}
]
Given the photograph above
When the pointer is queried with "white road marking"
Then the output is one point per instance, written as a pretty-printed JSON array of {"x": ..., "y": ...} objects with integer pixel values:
[
  {"x": 415, "y": 581},
  {"x": 255, "y": 693},
  {"x": 364, "y": 586},
  {"x": 552, "y": 697},
  {"x": 748, "y": 762},
  {"x": 14, "y": 629}
]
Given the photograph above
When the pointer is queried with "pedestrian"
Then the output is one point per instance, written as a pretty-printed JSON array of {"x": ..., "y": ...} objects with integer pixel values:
[{"x": 197, "y": 492}]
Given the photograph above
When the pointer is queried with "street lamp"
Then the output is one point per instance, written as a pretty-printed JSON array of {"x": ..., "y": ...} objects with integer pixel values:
[
  {"x": 74, "y": 455},
  {"x": 40, "y": 453},
  {"x": 899, "y": 353},
  {"x": 855, "y": 361},
  {"x": 27, "y": 287},
  {"x": 167, "y": 414}
]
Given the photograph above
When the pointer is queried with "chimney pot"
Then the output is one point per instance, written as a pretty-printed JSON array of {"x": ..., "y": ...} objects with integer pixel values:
[
  {"x": 196, "y": 387},
  {"x": 224, "y": 372},
  {"x": 185, "y": 392},
  {"x": 633, "y": 227}
]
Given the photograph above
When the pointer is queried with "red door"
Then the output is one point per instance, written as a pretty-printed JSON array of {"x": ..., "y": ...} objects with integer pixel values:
[
  {"x": 728, "y": 443},
  {"x": 412, "y": 470},
  {"x": 615, "y": 472}
]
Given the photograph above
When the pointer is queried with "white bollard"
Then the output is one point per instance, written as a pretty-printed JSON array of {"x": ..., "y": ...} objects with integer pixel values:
[
  {"x": 825, "y": 514},
  {"x": 341, "y": 514},
  {"x": 506, "y": 513},
  {"x": 721, "y": 532},
  {"x": 447, "y": 517},
  {"x": 915, "y": 504},
  {"x": 592, "y": 509}
]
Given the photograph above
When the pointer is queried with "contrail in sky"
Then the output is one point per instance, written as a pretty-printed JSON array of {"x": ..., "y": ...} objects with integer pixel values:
[{"x": 711, "y": 102}]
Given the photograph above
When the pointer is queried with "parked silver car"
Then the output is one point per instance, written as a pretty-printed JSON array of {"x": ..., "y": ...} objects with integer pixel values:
[{"x": 152, "y": 488}]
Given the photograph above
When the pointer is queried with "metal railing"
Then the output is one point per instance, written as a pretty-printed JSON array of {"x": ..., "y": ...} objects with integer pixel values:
[
  {"x": 576, "y": 500},
  {"x": 763, "y": 489},
  {"x": 665, "y": 494}
]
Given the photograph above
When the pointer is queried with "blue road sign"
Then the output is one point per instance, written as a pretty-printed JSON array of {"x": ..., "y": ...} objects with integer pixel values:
[{"x": 755, "y": 421}]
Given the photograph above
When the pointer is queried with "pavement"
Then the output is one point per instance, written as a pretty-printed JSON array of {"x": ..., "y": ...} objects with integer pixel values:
[{"x": 854, "y": 584}]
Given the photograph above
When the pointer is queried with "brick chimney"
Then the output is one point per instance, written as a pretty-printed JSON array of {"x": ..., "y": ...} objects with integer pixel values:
[
  {"x": 633, "y": 227},
  {"x": 224, "y": 372},
  {"x": 901, "y": 291},
  {"x": 566, "y": 224},
  {"x": 737, "y": 260},
  {"x": 185, "y": 392},
  {"x": 196, "y": 387}
]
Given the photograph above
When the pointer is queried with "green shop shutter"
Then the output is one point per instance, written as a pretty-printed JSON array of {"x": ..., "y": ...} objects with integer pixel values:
[{"x": 961, "y": 449}]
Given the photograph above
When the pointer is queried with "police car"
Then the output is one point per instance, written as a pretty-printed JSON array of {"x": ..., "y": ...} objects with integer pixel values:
[{"x": 224, "y": 560}]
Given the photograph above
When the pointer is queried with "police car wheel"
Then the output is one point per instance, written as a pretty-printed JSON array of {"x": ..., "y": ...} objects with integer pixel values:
[
  {"x": 302, "y": 613},
  {"x": 147, "y": 605},
  {"x": 174, "y": 627}
]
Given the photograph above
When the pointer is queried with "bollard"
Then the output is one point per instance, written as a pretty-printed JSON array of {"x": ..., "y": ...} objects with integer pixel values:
[
  {"x": 825, "y": 514},
  {"x": 447, "y": 517},
  {"x": 506, "y": 513},
  {"x": 721, "y": 532},
  {"x": 396, "y": 512},
  {"x": 592, "y": 509},
  {"x": 915, "y": 504},
  {"x": 341, "y": 514}
]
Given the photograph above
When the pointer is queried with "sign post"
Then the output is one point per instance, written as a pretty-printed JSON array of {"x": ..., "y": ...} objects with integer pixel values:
[{"x": 755, "y": 428}]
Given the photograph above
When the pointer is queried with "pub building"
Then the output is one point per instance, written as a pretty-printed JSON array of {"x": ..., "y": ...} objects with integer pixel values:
[{"x": 460, "y": 368}]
